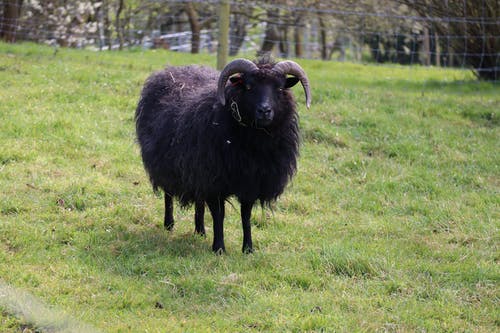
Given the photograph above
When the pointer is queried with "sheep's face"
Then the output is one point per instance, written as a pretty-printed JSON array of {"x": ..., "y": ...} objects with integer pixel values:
[{"x": 259, "y": 96}]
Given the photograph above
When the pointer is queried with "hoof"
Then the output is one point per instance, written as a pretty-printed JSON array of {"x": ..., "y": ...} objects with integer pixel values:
[
  {"x": 200, "y": 233},
  {"x": 247, "y": 249},
  {"x": 219, "y": 251}
]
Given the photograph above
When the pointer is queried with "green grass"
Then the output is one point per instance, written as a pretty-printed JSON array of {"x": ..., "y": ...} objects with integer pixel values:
[{"x": 391, "y": 223}]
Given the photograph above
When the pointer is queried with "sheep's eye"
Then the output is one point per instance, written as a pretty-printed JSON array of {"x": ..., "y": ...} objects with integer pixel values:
[
  {"x": 248, "y": 87},
  {"x": 281, "y": 89}
]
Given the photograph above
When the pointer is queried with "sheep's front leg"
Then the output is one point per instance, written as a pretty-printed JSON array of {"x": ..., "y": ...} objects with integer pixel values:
[
  {"x": 246, "y": 212},
  {"x": 168, "y": 222},
  {"x": 199, "y": 213},
  {"x": 216, "y": 207}
]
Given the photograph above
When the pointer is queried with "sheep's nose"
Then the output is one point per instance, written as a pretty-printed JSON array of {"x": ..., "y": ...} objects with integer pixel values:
[{"x": 264, "y": 111}]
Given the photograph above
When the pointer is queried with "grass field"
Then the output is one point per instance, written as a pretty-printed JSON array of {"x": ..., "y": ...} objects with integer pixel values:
[{"x": 391, "y": 223}]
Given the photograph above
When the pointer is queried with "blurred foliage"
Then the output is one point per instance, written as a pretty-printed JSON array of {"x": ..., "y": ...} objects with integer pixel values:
[{"x": 428, "y": 32}]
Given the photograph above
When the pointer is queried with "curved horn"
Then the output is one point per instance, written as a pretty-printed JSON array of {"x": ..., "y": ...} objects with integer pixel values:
[
  {"x": 235, "y": 66},
  {"x": 292, "y": 68}
]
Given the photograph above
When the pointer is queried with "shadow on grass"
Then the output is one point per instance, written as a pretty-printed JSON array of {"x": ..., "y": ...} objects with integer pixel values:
[{"x": 144, "y": 251}]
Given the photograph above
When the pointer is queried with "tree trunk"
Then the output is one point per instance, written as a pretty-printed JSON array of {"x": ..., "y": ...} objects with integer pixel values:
[
  {"x": 438, "y": 49},
  {"x": 283, "y": 42},
  {"x": 100, "y": 25},
  {"x": 195, "y": 27},
  {"x": 272, "y": 33},
  {"x": 119, "y": 28},
  {"x": 298, "y": 34},
  {"x": 427, "y": 48},
  {"x": 238, "y": 31},
  {"x": 324, "y": 45},
  {"x": 106, "y": 24},
  {"x": 126, "y": 27},
  {"x": 299, "y": 42},
  {"x": 11, "y": 12}
]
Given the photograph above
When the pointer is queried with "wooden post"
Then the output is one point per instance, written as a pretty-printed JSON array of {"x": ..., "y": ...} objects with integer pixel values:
[{"x": 223, "y": 38}]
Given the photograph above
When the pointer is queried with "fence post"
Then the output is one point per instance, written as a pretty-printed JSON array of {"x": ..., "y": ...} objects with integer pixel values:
[{"x": 223, "y": 37}]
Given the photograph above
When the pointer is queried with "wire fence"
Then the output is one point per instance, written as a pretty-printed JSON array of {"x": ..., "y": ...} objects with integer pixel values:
[{"x": 462, "y": 33}]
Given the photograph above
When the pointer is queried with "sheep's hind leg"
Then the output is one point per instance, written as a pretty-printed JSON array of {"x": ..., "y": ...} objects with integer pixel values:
[
  {"x": 216, "y": 207},
  {"x": 246, "y": 212},
  {"x": 169, "y": 212},
  {"x": 199, "y": 224}
]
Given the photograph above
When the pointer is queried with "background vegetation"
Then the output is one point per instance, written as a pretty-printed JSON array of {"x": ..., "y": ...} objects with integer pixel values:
[
  {"x": 429, "y": 32},
  {"x": 391, "y": 223}
]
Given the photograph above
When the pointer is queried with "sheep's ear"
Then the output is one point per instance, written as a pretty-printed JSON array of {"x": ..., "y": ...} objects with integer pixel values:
[
  {"x": 291, "y": 81},
  {"x": 236, "y": 80}
]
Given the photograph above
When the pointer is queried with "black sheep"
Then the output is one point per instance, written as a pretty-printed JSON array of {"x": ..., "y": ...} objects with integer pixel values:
[{"x": 202, "y": 141}]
